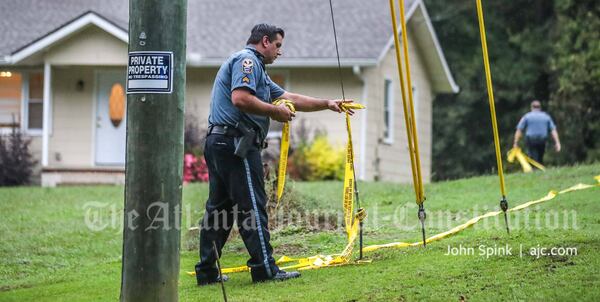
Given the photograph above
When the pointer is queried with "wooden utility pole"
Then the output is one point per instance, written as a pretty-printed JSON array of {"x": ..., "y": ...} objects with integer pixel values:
[{"x": 154, "y": 163}]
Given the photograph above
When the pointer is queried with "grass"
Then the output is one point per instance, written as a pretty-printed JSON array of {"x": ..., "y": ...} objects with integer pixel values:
[{"x": 48, "y": 253}]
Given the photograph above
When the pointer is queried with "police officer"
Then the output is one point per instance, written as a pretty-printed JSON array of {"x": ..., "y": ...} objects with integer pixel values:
[
  {"x": 536, "y": 124},
  {"x": 238, "y": 123}
]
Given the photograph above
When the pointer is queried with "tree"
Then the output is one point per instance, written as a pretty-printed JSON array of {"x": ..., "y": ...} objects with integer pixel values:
[{"x": 576, "y": 73}]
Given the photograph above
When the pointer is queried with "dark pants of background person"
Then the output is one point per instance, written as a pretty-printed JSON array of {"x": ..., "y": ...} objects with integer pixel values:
[
  {"x": 236, "y": 191},
  {"x": 536, "y": 147}
]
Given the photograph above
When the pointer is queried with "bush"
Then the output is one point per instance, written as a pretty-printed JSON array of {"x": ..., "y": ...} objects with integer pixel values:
[
  {"x": 194, "y": 164},
  {"x": 325, "y": 161},
  {"x": 317, "y": 160},
  {"x": 194, "y": 169},
  {"x": 16, "y": 162}
]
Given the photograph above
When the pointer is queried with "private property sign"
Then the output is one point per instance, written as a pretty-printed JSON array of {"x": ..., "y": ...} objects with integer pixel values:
[{"x": 150, "y": 72}]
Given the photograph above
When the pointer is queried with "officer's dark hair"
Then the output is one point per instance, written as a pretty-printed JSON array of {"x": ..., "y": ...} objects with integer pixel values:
[{"x": 263, "y": 29}]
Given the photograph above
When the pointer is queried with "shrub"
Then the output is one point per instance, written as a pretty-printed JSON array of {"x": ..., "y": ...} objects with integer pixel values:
[
  {"x": 16, "y": 162},
  {"x": 194, "y": 164},
  {"x": 311, "y": 156},
  {"x": 316, "y": 160},
  {"x": 325, "y": 161},
  {"x": 194, "y": 169}
]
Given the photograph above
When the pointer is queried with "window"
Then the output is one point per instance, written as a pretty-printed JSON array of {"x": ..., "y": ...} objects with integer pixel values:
[
  {"x": 35, "y": 101},
  {"x": 11, "y": 86},
  {"x": 21, "y": 100},
  {"x": 388, "y": 112}
]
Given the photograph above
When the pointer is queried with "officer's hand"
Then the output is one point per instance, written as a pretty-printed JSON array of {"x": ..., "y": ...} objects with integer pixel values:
[
  {"x": 335, "y": 105},
  {"x": 557, "y": 147},
  {"x": 282, "y": 113}
]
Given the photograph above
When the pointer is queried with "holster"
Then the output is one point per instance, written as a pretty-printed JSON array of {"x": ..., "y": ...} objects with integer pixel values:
[{"x": 246, "y": 142}]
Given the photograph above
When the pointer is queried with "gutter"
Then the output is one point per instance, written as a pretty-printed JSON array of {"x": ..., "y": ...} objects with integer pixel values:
[
  {"x": 196, "y": 60},
  {"x": 5, "y": 60}
]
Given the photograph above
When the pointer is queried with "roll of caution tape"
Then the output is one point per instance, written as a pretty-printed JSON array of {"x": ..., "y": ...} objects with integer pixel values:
[{"x": 524, "y": 160}]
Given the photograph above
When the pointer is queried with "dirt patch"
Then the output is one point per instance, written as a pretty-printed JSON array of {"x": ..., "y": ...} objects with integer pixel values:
[
  {"x": 291, "y": 249},
  {"x": 291, "y": 213},
  {"x": 558, "y": 261}
]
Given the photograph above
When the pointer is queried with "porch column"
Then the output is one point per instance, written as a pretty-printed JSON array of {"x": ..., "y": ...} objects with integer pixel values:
[{"x": 47, "y": 111}]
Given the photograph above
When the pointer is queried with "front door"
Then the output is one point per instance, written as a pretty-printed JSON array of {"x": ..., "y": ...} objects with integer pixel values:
[{"x": 110, "y": 118}]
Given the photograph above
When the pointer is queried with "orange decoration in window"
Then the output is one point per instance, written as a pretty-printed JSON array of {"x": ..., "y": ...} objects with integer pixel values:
[{"x": 116, "y": 104}]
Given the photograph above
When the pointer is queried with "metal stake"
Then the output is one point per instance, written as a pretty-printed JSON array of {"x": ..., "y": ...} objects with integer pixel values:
[{"x": 220, "y": 273}]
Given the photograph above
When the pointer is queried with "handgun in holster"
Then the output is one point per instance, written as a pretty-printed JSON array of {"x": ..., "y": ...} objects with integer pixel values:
[{"x": 246, "y": 142}]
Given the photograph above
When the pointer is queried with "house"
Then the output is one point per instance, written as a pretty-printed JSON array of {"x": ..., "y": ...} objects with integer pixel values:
[{"x": 61, "y": 60}]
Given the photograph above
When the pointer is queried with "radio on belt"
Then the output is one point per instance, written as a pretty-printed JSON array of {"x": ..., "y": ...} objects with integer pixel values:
[{"x": 150, "y": 72}]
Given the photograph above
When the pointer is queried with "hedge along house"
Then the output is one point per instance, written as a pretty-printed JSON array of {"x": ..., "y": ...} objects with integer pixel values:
[{"x": 62, "y": 74}]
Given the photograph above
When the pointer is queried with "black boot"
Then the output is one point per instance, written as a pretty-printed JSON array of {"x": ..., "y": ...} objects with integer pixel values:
[
  {"x": 206, "y": 278},
  {"x": 213, "y": 281},
  {"x": 260, "y": 276}
]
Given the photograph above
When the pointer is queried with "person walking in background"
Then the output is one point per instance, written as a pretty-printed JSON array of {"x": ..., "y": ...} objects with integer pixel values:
[{"x": 536, "y": 124}]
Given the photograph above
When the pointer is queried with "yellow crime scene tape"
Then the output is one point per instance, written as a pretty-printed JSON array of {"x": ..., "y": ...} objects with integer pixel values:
[
  {"x": 283, "y": 150},
  {"x": 348, "y": 195},
  {"x": 525, "y": 161}
]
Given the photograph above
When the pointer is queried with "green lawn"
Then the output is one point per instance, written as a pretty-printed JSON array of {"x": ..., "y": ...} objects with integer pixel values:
[{"x": 48, "y": 254}]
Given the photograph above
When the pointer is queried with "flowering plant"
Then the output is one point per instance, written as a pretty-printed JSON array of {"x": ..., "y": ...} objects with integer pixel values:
[{"x": 194, "y": 168}]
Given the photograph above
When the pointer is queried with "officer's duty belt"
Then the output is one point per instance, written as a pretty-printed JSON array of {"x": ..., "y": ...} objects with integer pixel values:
[
  {"x": 224, "y": 130},
  {"x": 233, "y": 132}
]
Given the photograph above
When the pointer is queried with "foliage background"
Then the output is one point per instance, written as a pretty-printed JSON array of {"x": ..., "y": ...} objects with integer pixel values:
[{"x": 539, "y": 49}]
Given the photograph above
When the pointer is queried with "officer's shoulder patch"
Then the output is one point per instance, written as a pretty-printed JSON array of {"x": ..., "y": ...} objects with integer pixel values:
[{"x": 247, "y": 65}]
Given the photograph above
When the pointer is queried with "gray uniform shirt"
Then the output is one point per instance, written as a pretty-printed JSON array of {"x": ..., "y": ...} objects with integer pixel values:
[
  {"x": 243, "y": 69},
  {"x": 537, "y": 124}
]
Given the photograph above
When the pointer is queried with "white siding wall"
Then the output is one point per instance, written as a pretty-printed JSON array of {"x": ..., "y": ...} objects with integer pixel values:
[
  {"x": 391, "y": 162},
  {"x": 72, "y": 133},
  {"x": 91, "y": 46},
  {"x": 36, "y": 151},
  {"x": 199, "y": 83}
]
